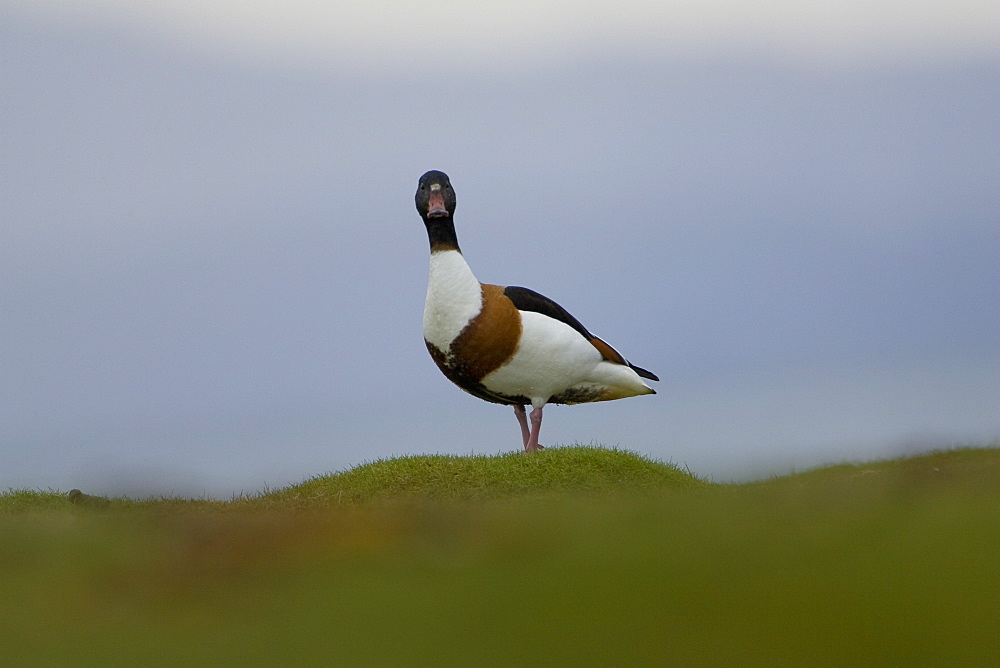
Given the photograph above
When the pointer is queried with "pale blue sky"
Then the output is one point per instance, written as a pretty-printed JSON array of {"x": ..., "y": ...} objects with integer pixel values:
[{"x": 212, "y": 274}]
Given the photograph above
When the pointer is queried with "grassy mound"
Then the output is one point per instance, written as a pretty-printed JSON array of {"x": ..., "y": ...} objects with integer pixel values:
[
  {"x": 553, "y": 471},
  {"x": 575, "y": 556},
  {"x": 578, "y": 469}
]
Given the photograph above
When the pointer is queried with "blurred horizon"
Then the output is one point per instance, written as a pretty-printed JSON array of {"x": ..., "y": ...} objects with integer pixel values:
[{"x": 212, "y": 272}]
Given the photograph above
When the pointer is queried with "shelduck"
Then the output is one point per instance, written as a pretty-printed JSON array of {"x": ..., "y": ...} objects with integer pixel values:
[{"x": 510, "y": 345}]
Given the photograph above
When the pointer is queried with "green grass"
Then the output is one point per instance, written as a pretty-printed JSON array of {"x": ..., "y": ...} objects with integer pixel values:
[
  {"x": 578, "y": 469},
  {"x": 573, "y": 556}
]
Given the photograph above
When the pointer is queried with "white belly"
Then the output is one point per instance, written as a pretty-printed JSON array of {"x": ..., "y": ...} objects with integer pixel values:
[{"x": 553, "y": 358}]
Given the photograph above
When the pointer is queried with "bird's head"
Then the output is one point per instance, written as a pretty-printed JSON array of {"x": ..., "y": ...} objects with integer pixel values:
[{"x": 435, "y": 197}]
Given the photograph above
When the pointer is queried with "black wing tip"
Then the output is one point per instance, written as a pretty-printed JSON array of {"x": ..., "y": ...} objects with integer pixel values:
[{"x": 649, "y": 375}]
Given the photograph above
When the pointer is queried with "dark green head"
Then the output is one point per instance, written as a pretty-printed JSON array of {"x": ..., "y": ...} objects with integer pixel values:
[{"x": 435, "y": 197}]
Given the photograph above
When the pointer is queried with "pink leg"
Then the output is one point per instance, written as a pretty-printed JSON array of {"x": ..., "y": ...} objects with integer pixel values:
[
  {"x": 536, "y": 426},
  {"x": 522, "y": 420}
]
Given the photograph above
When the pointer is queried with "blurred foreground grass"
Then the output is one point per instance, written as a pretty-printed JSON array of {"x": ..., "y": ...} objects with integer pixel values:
[{"x": 575, "y": 556}]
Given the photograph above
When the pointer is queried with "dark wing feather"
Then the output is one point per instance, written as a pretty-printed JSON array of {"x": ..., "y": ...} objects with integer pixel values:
[
  {"x": 529, "y": 300},
  {"x": 643, "y": 373}
]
